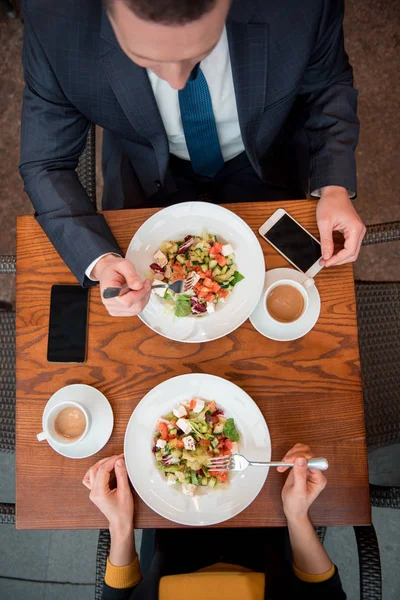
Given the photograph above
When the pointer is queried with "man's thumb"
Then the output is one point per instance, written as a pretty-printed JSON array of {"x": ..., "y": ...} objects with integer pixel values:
[
  {"x": 300, "y": 472},
  {"x": 325, "y": 232},
  {"x": 132, "y": 279}
]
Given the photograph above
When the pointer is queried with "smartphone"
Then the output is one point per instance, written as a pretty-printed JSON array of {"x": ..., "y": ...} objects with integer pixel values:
[
  {"x": 294, "y": 242},
  {"x": 68, "y": 324}
]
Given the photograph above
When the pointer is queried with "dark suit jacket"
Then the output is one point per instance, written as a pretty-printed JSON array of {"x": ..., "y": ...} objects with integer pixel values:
[{"x": 294, "y": 93}]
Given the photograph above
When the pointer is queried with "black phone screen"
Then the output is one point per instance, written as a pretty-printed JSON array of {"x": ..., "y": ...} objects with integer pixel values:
[
  {"x": 68, "y": 324},
  {"x": 294, "y": 242}
]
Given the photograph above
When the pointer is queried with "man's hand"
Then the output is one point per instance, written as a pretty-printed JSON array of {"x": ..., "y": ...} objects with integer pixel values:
[
  {"x": 335, "y": 212},
  {"x": 302, "y": 486},
  {"x": 117, "y": 504},
  {"x": 112, "y": 271}
]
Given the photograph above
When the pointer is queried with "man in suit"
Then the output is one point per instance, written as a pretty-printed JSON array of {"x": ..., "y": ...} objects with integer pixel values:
[{"x": 220, "y": 99}]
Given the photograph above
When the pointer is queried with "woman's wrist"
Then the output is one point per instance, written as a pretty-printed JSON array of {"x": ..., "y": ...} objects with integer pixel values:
[
  {"x": 298, "y": 519},
  {"x": 122, "y": 551}
]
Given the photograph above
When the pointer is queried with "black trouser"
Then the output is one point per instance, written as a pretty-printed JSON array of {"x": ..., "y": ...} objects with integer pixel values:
[
  {"x": 236, "y": 182},
  {"x": 188, "y": 550}
]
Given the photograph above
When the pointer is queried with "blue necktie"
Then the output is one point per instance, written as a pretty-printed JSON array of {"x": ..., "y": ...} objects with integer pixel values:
[{"x": 199, "y": 125}]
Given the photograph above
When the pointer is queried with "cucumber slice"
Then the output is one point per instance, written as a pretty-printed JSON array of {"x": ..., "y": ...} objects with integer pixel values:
[
  {"x": 204, "y": 268},
  {"x": 219, "y": 428},
  {"x": 213, "y": 264},
  {"x": 204, "y": 481},
  {"x": 181, "y": 259},
  {"x": 216, "y": 271},
  {"x": 213, "y": 482},
  {"x": 224, "y": 270}
]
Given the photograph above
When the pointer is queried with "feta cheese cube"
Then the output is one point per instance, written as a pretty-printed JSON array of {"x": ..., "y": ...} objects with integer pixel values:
[
  {"x": 161, "y": 444},
  {"x": 184, "y": 425},
  {"x": 171, "y": 479},
  {"x": 199, "y": 405},
  {"x": 210, "y": 307},
  {"x": 227, "y": 249},
  {"x": 235, "y": 448},
  {"x": 180, "y": 411},
  {"x": 160, "y": 292},
  {"x": 189, "y": 489},
  {"x": 189, "y": 443},
  {"x": 160, "y": 258}
]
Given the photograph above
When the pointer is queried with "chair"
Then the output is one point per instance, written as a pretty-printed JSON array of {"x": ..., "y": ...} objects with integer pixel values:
[
  {"x": 103, "y": 551},
  {"x": 7, "y": 378},
  {"x": 378, "y": 315},
  {"x": 87, "y": 175},
  {"x": 368, "y": 556}
]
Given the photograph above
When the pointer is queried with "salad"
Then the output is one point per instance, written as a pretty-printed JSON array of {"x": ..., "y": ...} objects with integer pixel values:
[
  {"x": 207, "y": 262},
  {"x": 187, "y": 438}
]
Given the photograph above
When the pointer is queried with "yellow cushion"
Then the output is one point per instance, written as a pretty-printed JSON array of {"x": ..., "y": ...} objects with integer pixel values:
[{"x": 209, "y": 585}]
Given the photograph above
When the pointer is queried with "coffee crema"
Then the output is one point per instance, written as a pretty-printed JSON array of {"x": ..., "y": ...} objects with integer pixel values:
[
  {"x": 70, "y": 423},
  {"x": 285, "y": 303}
]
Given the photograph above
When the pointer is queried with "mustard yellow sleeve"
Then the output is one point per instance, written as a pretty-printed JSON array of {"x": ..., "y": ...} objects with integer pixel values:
[
  {"x": 123, "y": 577},
  {"x": 314, "y": 578}
]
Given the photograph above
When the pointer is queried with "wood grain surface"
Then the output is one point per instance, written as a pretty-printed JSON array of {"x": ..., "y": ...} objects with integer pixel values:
[{"x": 309, "y": 390}]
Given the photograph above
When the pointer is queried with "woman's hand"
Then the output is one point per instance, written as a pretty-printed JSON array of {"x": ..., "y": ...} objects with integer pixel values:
[
  {"x": 117, "y": 504},
  {"x": 302, "y": 486}
]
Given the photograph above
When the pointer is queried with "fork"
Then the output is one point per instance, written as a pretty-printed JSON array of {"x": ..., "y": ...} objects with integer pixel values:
[
  {"x": 178, "y": 287},
  {"x": 237, "y": 462}
]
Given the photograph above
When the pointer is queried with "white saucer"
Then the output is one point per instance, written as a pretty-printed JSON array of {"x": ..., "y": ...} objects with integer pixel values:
[
  {"x": 283, "y": 332},
  {"x": 100, "y": 415}
]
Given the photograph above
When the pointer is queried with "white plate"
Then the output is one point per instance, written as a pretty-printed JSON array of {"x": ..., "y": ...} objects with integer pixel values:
[
  {"x": 100, "y": 416},
  {"x": 210, "y": 506},
  {"x": 174, "y": 223},
  {"x": 282, "y": 332}
]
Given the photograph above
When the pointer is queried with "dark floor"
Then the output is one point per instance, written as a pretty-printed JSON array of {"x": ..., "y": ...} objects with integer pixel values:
[{"x": 372, "y": 31}]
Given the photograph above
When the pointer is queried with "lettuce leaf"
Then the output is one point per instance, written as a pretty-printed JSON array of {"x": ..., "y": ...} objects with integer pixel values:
[
  {"x": 236, "y": 278},
  {"x": 183, "y": 306},
  {"x": 230, "y": 430}
]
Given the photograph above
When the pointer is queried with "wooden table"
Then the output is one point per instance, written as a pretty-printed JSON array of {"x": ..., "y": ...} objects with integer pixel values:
[{"x": 309, "y": 390}]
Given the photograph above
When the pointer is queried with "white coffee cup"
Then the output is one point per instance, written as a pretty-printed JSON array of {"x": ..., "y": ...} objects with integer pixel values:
[
  {"x": 50, "y": 434},
  {"x": 301, "y": 287}
]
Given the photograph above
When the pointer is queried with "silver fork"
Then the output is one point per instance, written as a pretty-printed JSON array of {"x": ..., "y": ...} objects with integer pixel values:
[
  {"x": 178, "y": 287},
  {"x": 237, "y": 462}
]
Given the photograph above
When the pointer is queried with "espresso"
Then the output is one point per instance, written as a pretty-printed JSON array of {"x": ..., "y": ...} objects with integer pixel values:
[
  {"x": 285, "y": 303},
  {"x": 70, "y": 423}
]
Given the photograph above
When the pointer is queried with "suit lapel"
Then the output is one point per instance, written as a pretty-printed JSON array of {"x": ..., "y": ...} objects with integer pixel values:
[
  {"x": 132, "y": 88},
  {"x": 248, "y": 47}
]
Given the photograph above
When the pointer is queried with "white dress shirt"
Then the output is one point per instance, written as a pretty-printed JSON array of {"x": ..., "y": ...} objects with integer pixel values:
[{"x": 217, "y": 70}]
